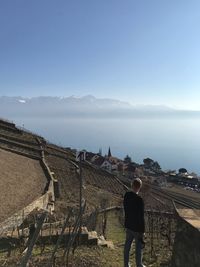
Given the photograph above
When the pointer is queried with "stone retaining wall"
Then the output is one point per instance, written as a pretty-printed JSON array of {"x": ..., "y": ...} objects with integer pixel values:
[
  {"x": 16, "y": 219},
  {"x": 186, "y": 251}
]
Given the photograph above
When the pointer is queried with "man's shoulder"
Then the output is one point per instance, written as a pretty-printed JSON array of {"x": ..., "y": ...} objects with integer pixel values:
[
  {"x": 132, "y": 195},
  {"x": 129, "y": 193}
]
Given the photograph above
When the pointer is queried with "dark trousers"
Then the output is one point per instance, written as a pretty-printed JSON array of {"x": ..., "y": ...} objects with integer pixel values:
[{"x": 130, "y": 236}]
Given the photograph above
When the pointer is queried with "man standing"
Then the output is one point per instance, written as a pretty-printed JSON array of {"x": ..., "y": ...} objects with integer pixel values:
[{"x": 134, "y": 223}]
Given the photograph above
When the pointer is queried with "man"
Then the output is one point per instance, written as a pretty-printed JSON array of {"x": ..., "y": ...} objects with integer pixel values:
[{"x": 134, "y": 223}]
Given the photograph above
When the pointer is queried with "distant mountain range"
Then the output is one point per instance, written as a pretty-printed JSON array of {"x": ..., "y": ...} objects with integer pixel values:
[
  {"x": 86, "y": 106},
  {"x": 71, "y": 101}
]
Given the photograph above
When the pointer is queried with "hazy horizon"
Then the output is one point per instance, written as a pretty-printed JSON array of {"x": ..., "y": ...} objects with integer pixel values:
[
  {"x": 168, "y": 136},
  {"x": 97, "y": 98}
]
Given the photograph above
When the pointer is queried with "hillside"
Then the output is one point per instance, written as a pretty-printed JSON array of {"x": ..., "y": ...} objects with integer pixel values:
[
  {"x": 98, "y": 184},
  {"x": 22, "y": 178}
]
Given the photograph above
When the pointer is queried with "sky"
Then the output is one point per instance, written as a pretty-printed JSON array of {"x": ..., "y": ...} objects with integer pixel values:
[{"x": 140, "y": 51}]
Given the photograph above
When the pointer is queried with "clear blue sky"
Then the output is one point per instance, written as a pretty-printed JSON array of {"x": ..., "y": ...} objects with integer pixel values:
[{"x": 143, "y": 51}]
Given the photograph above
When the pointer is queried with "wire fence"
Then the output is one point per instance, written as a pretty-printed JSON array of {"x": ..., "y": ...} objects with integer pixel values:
[{"x": 39, "y": 230}]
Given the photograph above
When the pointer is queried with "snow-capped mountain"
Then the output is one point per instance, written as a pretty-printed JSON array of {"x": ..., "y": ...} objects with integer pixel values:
[{"x": 86, "y": 106}]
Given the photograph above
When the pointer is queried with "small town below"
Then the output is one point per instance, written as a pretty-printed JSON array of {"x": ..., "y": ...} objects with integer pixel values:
[{"x": 127, "y": 169}]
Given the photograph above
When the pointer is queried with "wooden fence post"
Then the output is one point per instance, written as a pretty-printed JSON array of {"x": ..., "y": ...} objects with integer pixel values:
[
  {"x": 59, "y": 239},
  {"x": 27, "y": 256}
]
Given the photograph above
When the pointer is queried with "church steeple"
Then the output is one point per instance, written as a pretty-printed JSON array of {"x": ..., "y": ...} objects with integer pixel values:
[{"x": 109, "y": 153}]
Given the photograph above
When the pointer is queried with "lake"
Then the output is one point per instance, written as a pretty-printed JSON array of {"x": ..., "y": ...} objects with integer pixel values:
[{"x": 174, "y": 143}]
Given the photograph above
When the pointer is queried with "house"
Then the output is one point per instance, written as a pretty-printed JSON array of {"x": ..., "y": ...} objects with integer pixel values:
[
  {"x": 112, "y": 164},
  {"x": 106, "y": 165},
  {"x": 102, "y": 163},
  {"x": 89, "y": 156}
]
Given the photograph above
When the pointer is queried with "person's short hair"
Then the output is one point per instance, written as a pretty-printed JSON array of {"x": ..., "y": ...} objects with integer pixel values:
[{"x": 137, "y": 183}]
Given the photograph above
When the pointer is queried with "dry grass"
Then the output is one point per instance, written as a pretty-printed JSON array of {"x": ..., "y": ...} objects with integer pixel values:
[
  {"x": 93, "y": 256},
  {"x": 22, "y": 180}
]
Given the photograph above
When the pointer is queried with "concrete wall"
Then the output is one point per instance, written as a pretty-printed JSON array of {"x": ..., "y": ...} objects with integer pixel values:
[{"x": 186, "y": 251}]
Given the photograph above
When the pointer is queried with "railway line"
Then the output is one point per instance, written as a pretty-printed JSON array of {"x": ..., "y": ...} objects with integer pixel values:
[
  {"x": 160, "y": 195},
  {"x": 176, "y": 198}
]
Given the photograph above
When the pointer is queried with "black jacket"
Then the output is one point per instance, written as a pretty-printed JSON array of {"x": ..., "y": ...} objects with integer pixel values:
[{"x": 134, "y": 212}]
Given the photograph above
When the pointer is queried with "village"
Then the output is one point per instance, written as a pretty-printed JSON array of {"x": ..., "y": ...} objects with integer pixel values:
[{"x": 127, "y": 169}]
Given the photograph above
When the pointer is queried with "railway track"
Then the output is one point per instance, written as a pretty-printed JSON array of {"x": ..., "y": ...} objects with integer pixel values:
[
  {"x": 160, "y": 194},
  {"x": 177, "y": 198}
]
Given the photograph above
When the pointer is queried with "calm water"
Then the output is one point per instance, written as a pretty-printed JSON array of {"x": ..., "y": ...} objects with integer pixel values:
[{"x": 174, "y": 143}]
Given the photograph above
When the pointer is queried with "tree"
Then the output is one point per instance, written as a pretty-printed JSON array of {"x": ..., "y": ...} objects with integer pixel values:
[
  {"x": 127, "y": 159},
  {"x": 182, "y": 170},
  {"x": 148, "y": 161}
]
